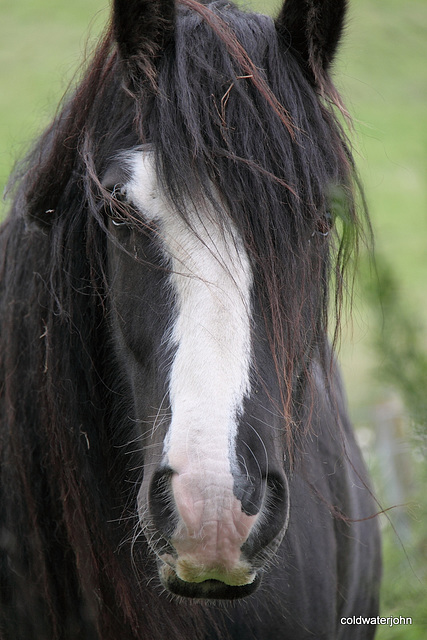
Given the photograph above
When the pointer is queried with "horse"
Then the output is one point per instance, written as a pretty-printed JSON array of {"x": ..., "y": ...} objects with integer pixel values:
[{"x": 176, "y": 454}]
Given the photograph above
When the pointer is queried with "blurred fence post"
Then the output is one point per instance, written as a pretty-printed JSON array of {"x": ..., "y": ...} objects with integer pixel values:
[{"x": 395, "y": 460}]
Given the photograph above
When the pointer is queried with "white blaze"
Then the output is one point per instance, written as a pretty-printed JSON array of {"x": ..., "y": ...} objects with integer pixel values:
[{"x": 211, "y": 280}]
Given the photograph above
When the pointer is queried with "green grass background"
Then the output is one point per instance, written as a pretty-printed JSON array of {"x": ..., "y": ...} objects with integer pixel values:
[{"x": 382, "y": 74}]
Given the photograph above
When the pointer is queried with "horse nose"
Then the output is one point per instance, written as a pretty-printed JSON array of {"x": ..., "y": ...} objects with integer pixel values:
[
  {"x": 206, "y": 516},
  {"x": 160, "y": 502},
  {"x": 209, "y": 519},
  {"x": 247, "y": 491}
]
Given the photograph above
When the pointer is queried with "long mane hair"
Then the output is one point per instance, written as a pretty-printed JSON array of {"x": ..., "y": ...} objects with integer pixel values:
[
  {"x": 228, "y": 105},
  {"x": 208, "y": 110}
]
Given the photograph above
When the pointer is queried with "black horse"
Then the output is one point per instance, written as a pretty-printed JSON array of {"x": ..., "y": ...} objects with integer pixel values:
[{"x": 172, "y": 420}]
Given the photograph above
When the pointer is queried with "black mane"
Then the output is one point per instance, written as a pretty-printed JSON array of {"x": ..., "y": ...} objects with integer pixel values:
[{"x": 232, "y": 106}]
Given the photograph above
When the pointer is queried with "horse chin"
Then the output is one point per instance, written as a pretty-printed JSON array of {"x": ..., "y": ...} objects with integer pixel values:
[{"x": 206, "y": 590}]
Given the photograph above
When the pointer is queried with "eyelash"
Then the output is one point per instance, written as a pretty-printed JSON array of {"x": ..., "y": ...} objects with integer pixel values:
[{"x": 117, "y": 194}]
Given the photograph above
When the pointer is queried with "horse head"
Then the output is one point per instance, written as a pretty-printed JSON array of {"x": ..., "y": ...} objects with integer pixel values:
[{"x": 217, "y": 269}]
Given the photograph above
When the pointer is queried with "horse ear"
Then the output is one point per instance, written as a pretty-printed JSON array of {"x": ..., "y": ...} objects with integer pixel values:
[
  {"x": 142, "y": 29},
  {"x": 313, "y": 28}
]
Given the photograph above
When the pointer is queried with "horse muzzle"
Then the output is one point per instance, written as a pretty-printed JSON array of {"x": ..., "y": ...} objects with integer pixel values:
[{"x": 214, "y": 532}]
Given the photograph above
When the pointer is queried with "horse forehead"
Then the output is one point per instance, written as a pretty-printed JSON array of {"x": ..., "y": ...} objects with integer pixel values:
[
  {"x": 206, "y": 244},
  {"x": 142, "y": 188},
  {"x": 146, "y": 193}
]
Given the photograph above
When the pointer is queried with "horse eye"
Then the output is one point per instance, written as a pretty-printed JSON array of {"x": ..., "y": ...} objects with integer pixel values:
[
  {"x": 324, "y": 225},
  {"x": 118, "y": 222},
  {"x": 117, "y": 218}
]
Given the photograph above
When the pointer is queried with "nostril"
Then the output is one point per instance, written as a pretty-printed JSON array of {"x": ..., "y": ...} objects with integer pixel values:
[
  {"x": 276, "y": 507},
  {"x": 161, "y": 503},
  {"x": 250, "y": 493},
  {"x": 277, "y": 484},
  {"x": 274, "y": 516}
]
